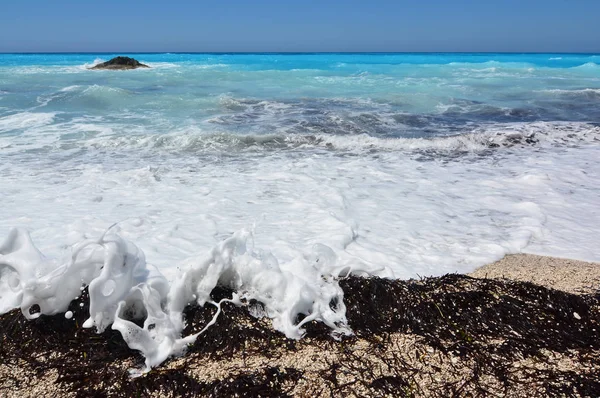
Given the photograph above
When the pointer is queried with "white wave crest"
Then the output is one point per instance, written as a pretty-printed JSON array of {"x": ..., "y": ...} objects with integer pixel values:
[
  {"x": 69, "y": 88},
  {"x": 583, "y": 91},
  {"x": 93, "y": 63},
  {"x": 479, "y": 138},
  {"x": 587, "y": 66},
  {"x": 25, "y": 120}
]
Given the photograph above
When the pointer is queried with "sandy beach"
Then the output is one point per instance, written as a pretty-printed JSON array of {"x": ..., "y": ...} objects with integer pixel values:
[
  {"x": 385, "y": 358},
  {"x": 557, "y": 273}
]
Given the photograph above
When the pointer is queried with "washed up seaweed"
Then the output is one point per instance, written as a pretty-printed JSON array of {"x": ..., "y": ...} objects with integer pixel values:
[{"x": 472, "y": 337}]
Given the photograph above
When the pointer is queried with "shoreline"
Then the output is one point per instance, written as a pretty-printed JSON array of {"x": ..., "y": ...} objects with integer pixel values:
[{"x": 455, "y": 334}]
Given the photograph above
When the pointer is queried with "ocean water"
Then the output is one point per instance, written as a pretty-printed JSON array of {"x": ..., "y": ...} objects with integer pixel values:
[{"x": 399, "y": 165}]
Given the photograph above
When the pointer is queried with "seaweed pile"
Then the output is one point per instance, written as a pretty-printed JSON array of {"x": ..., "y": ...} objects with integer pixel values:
[{"x": 447, "y": 336}]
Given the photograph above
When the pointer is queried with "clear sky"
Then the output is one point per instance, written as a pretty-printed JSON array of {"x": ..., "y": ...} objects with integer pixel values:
[{"x": 308, "y": 25}]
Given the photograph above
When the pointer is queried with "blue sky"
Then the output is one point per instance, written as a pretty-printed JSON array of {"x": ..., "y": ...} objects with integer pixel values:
[{"x": 310, "y": 25}]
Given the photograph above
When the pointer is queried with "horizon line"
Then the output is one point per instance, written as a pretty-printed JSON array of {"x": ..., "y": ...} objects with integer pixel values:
[{"x": 297, "y": 52}]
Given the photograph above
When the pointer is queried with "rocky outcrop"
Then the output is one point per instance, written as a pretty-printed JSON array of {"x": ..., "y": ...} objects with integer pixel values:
[{"x": 120, "y": 63}]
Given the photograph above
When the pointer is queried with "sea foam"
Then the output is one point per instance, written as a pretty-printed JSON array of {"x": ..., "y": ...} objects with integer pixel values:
[
  {"x": 123, "y": 288},
  {"x": 25, "y": 120}
]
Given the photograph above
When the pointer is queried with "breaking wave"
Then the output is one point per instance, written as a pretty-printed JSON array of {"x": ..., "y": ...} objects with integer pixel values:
[
  {"x": 25, "y": 120},
  {"x": 482, "y": 138}
]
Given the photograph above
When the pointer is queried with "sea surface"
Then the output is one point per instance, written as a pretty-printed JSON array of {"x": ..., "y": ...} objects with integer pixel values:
[{"x": 395, "y": 164}]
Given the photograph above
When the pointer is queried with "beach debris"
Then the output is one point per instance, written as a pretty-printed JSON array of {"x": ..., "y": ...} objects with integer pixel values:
[
  {"x": 446, "y": 336},
  {"x": 120, "y": 63}
]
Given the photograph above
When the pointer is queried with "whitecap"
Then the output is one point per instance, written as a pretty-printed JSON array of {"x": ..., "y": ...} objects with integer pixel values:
[{"x": 26, "y": 120}]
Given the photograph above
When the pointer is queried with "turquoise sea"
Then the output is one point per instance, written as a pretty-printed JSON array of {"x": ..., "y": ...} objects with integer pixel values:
[{"x": 405, "y": 95}]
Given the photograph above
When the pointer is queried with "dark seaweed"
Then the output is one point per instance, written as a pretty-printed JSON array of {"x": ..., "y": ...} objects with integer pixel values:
[{"x": 488, "y": 324}]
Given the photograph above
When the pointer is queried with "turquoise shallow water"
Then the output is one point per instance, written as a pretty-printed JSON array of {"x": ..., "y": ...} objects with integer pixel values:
[{"x": 394, "y": 95}]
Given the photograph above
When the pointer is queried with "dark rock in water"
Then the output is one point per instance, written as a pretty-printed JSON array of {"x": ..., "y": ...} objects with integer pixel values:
[{"x": 120, "y": 63}]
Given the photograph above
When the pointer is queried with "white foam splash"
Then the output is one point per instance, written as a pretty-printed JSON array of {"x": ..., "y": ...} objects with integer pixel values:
[
  {"x": 122, "y": 287},
  {"x": 94, "y": 63}
]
